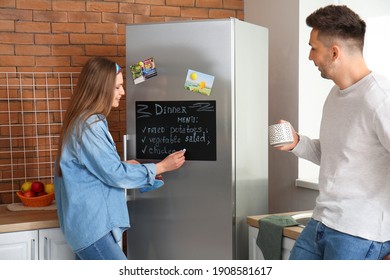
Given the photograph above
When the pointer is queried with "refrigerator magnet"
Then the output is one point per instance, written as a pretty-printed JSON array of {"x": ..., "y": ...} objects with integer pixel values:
[
  {"x": 199, "y": 82},
  {"x": 143, "y": 70}
]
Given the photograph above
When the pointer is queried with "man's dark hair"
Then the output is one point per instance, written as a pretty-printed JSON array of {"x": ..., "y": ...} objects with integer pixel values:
[{"x": 338, "y": 21}]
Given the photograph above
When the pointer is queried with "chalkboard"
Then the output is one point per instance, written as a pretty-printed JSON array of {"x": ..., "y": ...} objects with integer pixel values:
[{"x": 163, "y": 127}]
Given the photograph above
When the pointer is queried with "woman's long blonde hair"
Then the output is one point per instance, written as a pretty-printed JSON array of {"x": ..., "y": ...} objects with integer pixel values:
[{"x": 93, "y": 95}]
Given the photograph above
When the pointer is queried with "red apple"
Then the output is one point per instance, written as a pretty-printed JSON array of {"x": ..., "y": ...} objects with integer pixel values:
[
  {"x": 41, "y": 193},
  {"x": 29, "y": 193},
  {"x": 37, "y": 187}
]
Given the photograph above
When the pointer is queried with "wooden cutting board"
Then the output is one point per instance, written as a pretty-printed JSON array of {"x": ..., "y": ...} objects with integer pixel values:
[{"x": 21, "y": 207}]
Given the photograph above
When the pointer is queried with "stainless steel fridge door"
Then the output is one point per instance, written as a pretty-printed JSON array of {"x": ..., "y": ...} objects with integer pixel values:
[{"x": 192, "y": 215}]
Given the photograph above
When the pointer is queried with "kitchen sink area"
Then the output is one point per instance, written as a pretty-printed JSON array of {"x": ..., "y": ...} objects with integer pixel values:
[
  {"x": 302, "y": 218},
  {"x": 290, "y": 234}
]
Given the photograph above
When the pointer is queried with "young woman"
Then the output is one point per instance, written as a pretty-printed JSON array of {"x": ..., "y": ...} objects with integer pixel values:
[{"x": 90, "y": 178}]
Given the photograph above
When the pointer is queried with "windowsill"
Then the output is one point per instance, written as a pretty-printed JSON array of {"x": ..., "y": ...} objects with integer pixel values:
[{"x": 307, "y": 183}]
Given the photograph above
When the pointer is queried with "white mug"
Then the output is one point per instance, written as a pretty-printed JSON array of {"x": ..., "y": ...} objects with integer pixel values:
[{"x": 280, "y": 134}]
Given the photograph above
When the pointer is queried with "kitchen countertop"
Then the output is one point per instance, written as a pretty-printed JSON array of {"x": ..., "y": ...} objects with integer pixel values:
[
  {"x": 291, "y": 232},
  {"x": 11, "y": 221}
]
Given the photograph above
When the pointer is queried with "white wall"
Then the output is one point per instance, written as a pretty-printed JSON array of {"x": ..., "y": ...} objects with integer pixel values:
[{"x": 377, "y": 46}]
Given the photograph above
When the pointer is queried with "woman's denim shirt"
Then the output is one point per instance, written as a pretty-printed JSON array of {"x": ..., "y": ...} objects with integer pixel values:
[{"x": 90, "y": 194}]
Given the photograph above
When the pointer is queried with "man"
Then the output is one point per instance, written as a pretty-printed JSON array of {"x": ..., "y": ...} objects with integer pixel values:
[{"x": 351, "y": 219}]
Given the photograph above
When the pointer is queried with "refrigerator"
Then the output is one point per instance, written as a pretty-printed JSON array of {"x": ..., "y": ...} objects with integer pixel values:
[{"x": 201, "y": 86}]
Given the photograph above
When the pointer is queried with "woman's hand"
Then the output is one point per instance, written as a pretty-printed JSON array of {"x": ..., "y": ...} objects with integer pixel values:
[
  {"x": 132, "y": 161},
  {"x": 171, "y": 162}
]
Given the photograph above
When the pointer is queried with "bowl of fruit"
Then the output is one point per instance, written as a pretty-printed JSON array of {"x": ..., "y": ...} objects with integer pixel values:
[{"x": 36, "y": 194}]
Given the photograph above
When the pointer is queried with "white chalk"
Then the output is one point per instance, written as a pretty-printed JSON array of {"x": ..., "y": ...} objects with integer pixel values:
[{"x": 184, "y": 150}]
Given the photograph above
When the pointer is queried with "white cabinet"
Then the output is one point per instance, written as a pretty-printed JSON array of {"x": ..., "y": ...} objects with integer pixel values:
[
  {"x": 255, "y": 252},
  {"x": 52, "y": 245},
  {"x": 43, "y": 244},
  {"x": 287, "y": 245},
  {"x": 21, "y": 245}
]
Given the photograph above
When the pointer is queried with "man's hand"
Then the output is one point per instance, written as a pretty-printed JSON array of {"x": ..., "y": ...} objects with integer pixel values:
[{"x": 291, "y": 146}]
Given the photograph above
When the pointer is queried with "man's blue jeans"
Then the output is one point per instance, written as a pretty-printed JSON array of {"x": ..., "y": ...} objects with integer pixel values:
[
  {"x": 318, "y": 242},
  {"x": 104, "y": 249}
]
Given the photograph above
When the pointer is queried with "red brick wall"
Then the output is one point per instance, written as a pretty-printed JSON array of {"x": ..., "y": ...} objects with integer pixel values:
[
  {"x": 44, "y": 35},
  {"x": 60, "y": 36}
]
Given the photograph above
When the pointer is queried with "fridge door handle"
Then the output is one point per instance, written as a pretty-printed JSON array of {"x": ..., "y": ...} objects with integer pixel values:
[
  {"x": 125, "y": 139},
  {"x": 130, "y": 194}
]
